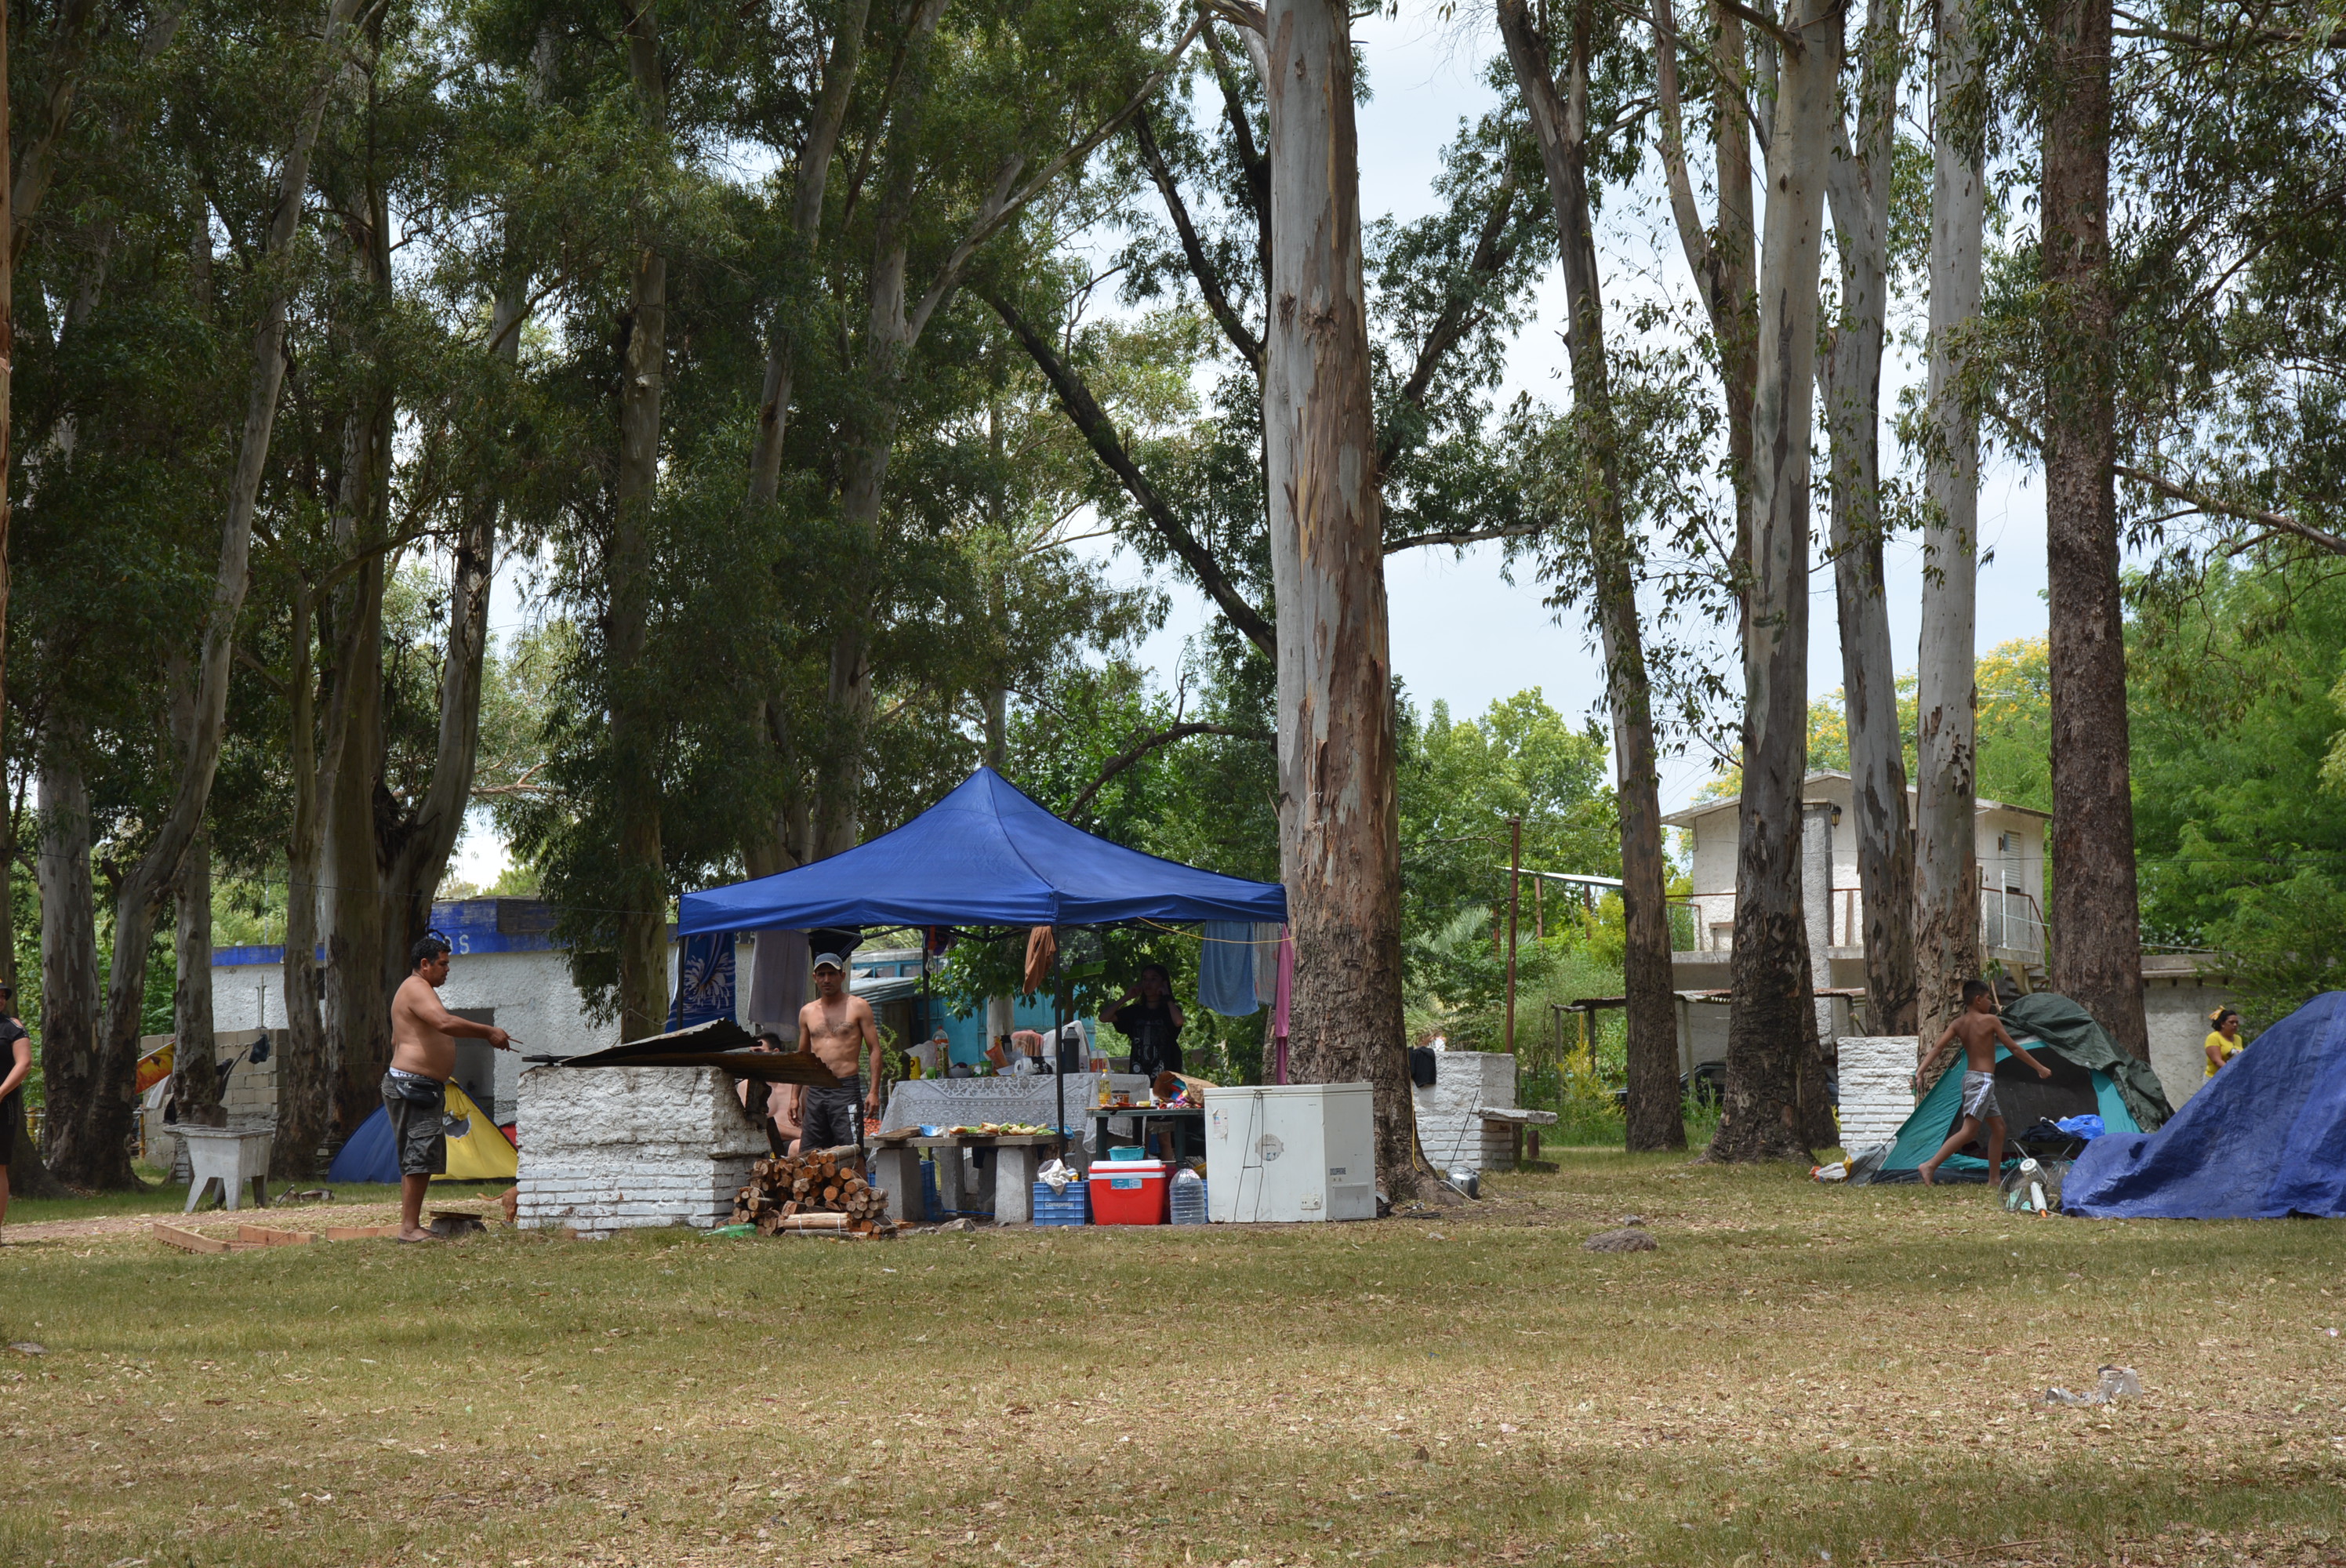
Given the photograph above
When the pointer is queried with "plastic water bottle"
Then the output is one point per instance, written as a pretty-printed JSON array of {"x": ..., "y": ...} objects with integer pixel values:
[{"x": 1188, "y": 1197}]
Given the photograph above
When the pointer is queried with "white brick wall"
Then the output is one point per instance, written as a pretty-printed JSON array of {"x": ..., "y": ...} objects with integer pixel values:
[
  {"x": 1876, "y": 1095},
  {"x": 613, "y": 1148},
  {"x": 1448, "y": 1127}
]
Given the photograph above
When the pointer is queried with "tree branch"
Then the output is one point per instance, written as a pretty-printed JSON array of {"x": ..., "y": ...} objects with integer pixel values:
[
  {"x": 1162, "y": 737},
  {"x": 1005, "y": 205},
  {"x": 2279, "y": 523},
  {"x": 1209, "y": 285},
  {"x": 1491, "y": 256},
  {"x": 1085, "y": 411},
  {"x": 1465, "y": 536}
]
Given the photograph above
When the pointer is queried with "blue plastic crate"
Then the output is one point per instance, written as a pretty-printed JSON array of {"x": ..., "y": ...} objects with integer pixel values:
[{"x": 1073, "y": 1206}]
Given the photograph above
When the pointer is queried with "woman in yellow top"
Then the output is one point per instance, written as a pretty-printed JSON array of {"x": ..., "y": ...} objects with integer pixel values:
[{"x": 2224, "y": 1042}]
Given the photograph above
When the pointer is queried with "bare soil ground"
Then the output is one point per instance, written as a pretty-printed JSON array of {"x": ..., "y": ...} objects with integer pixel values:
[{"x": 1798, "y": 1375}]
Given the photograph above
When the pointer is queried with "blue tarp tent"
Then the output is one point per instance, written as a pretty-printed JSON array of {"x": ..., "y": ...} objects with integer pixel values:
[
  {"x": 2264, "y": 1140},
  {"x": 984, "y": 855}
]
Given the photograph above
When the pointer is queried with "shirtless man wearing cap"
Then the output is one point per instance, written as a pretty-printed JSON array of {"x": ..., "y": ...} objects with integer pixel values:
[{"x": 832, "y": 1026}]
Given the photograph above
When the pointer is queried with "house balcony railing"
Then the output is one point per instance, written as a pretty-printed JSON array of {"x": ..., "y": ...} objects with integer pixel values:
[{"x": 2012, "y": 924}]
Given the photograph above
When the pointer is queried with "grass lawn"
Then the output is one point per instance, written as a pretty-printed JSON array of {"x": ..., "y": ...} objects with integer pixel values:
[{"x": 1799, "y": 1371}]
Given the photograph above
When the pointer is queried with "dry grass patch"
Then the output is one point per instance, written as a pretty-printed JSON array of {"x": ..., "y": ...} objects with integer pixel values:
[{"x": 1798, "y": 1371}]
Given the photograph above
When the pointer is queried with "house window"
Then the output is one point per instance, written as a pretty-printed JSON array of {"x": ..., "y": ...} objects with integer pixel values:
[{"x": 1722, "y": 938}]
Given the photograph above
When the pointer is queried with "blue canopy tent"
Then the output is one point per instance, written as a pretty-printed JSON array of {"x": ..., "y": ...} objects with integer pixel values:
[{"x": 985, "y": 855}]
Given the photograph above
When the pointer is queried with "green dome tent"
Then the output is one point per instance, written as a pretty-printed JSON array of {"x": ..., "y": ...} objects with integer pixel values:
[{"x": 2091, "y": 1076}]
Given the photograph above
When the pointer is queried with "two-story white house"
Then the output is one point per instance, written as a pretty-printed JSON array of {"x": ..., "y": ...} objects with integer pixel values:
[{"x": 2178, "y": 989}]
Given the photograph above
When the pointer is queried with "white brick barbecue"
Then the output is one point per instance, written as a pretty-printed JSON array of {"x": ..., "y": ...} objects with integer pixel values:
[
  {"x": 1450, "y": 1125},
  {"x": 1876, "y": 1097},
  {"x": 615, "y": 1148}
]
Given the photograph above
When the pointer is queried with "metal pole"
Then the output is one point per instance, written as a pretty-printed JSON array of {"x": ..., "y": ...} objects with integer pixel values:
[{"x": 1514, "y": 881}]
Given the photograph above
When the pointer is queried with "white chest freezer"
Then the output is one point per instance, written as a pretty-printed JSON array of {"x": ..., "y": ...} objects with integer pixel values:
[{"x": 1291, "y": 1152}]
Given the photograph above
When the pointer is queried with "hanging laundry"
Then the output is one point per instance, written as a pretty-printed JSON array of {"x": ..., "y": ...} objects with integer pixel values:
[
  {"x": 778, "y": 980},
  {"x": 704, "y": 980},
  {"x": 1267, "y": 935},
  {"x": 1282, "y": 1007},
  {"x": 1042, "y": 952},
  {"x": 1226, "y": 969}
]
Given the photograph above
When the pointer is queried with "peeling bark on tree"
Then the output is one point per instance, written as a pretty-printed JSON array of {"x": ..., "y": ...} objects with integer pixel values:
[
  {"x": 1771, "y": 1026},
  {"x": 1559, "y": 122},
  {"x": 2096, "y": 915},
  {"x": 1340, "y": 826},
  {"x": 1947, "y": 923},
  {"x": 1858, "y": 176}
]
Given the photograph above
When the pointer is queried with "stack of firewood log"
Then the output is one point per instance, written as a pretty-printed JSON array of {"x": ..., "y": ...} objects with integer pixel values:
[{"x": 824, "y": 1190}]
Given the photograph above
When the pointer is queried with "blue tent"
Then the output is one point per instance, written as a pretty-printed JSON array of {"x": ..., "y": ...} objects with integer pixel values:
[
  {"x": 984, "y": 855},
  {"x": 2264, "y": 1140},
  {"x": 479, "y": 1153}
]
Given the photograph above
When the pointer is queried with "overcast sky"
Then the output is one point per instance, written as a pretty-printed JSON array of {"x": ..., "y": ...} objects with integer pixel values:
[{"x": 1461, "y": 633}]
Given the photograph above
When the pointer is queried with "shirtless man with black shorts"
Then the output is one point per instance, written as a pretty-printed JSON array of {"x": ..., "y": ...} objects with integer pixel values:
[
  {"x": 833, "y": 1026},
  {"x": 415, "y": 1089}
]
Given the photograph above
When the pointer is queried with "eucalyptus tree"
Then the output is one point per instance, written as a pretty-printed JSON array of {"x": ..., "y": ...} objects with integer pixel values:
[
  {"x": 2095, "y": 909},
  {"x": 1947, "y": 917},
  {"x": 1859, "y": 177},
  {"x": 1774, "y": 1091},
  {"x": 1565, "y": 119},
  {"x": 92, "y": 1072}
]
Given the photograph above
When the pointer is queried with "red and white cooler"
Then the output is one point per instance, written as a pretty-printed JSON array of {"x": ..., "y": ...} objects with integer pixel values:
[{"x": 1131, "y": 1192}]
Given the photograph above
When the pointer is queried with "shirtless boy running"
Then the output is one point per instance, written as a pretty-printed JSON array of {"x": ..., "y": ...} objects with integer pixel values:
[
  {"x": 1979, "y": 1031},
  {"x": 832, "y": 1026},
  {"x": 415, "y": 1089}
]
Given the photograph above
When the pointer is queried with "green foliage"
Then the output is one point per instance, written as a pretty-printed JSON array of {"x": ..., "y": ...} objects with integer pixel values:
[{"x": 2242, "y": 842}]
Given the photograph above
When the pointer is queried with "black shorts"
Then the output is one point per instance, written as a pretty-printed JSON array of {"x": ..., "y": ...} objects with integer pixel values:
[
  {"x": 418, "y": 1109},
  {"x": 831, "y": 1118}
]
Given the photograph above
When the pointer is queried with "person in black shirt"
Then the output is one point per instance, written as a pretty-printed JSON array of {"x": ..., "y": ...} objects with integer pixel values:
[
  {"x": 15, "y": 1063},
  {"x": 1151, "y": 1020}
]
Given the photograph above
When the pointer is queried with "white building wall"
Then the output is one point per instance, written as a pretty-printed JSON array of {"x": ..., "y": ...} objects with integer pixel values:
[{"x": 531, "y": 993}]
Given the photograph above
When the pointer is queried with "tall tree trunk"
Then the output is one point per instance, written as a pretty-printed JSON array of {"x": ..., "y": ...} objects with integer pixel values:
[
  {"x": 1720, "y": 255},
  {"x": 305, "y": 1076},
  {"x": 195, "y": 1074},
  {"x": 1339, "y": 833},
  {"x": 806, "y": 231},
  {"x": 69, "y": 996},
  {"x": 1947, "y": 945},
  {"x": 358, "y": 1005},
  {"x": 2095, "y": 916},
  {"x": 1858, "y": 176},
  {"x": 100, "y": 1149},
  {"x": 635, "y": 721},
  {"x": 28, "y": 1175},
  {"x": 1560, "y": 123},
  {"x": 1771, "y": 1028}
]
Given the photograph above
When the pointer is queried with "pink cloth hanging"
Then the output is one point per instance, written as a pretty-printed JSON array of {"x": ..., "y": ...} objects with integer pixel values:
[{"x": 1279, "y": 1007}]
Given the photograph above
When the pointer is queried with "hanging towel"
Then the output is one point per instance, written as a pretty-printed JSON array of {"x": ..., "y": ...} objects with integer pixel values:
[
  {"x": 1226, "y": 969},
  {"x": 777, "y": 981},
  {"x": 704, "y": 980},
  {"x": 1042, "y": 952},
  {"x": 1282, "y": 1006},
  {"x": 1267, "y": 938}
]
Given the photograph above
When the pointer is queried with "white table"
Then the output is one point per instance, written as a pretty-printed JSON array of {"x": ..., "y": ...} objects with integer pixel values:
[
  {"x": 972, "y": 1102},
  {"x": 232, "y": 1156}
]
